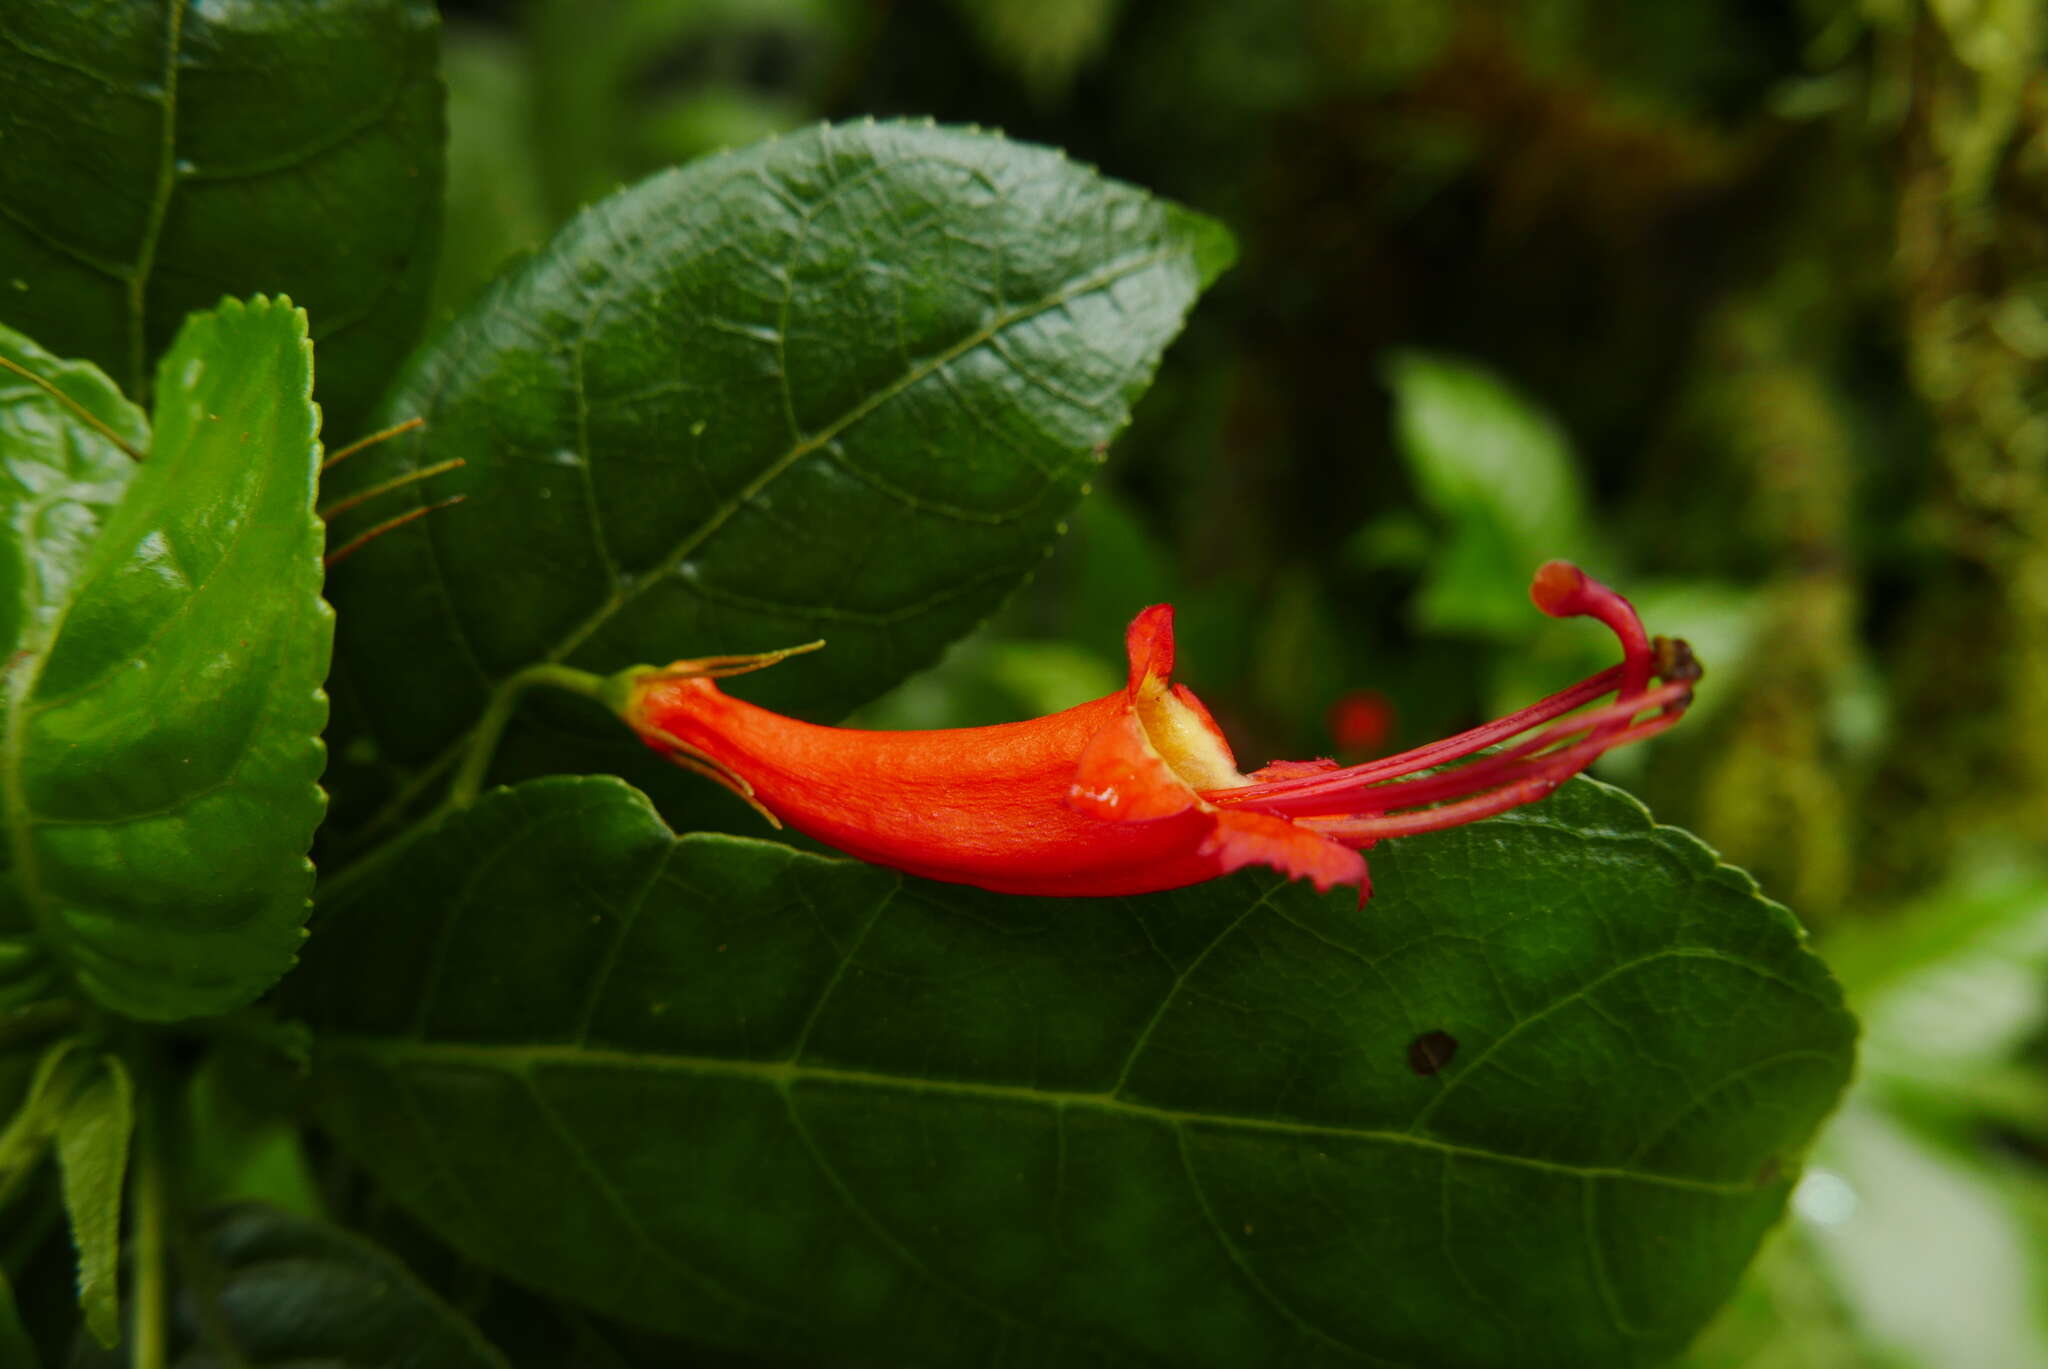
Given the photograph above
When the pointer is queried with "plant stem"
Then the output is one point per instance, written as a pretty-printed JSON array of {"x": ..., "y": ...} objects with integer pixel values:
[
  {"x": 475, "y": 754},
  {"x": 152, "y": 1343},
  {"x": 483, "y": 743}
]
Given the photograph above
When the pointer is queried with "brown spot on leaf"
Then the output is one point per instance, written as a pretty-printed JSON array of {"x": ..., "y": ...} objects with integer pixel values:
[
  {"x": 1431, "y": 1051},
  {"x": 1767, "y": 1174}
]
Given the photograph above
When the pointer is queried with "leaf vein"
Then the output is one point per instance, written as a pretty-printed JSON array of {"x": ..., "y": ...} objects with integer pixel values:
[
  {"x": 1242, "y": 1264},
  {"x": 601, "y": 980},
  {"x": 889, "y": 1241},
  {"x": 1144, "y": 1036},
  {"x": 803, "y": 1036},
  {"x": 158, "y": 209},
  {"x": 724, "y": 514},
  {"x": 58, "y": 245},
  {"x": 779, "y": 1073},
  {"x": 1436, "y": 1101},
  {"x": 623, "y": 1212}
]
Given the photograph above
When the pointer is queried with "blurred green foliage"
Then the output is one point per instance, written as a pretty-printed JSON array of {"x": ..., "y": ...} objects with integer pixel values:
[{"x": 1744, "y": 304}]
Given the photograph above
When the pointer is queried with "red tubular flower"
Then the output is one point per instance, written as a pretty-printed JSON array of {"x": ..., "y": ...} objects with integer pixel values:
[{"x": 1138, "y": 791}]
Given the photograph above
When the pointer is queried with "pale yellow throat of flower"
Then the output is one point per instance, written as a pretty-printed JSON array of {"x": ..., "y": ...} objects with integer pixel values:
[{"x": 1178, "y": 734}]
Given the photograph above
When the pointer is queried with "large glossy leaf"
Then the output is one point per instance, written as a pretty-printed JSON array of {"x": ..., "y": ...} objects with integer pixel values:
[
  {"x": 162, "y": 153},
  {"x": 841, "y": 385},
  {"x": 1534, "y": 1105},
  {"x": 162, "y": 705},
  {"x": 267, "y": 1288}
]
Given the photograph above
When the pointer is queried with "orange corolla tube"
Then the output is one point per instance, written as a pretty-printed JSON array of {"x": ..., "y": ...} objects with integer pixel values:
[{"x": 1138, "y": 791}]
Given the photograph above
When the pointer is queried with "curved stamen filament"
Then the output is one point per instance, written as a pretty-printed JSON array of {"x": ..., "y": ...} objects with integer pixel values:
[
  {"x": 1559, "y": 737},
  {"x": 1436, "y": 753},
  {"x": 1551, "y": 772},
  {"x": 1379, "y": 795}
]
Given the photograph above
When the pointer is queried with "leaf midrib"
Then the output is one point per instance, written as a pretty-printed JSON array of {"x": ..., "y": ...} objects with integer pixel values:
[
  {"x": 784, "y": 1074},
  {"x": 159, "y": 207},
  {"x": 631, "y": 590}
]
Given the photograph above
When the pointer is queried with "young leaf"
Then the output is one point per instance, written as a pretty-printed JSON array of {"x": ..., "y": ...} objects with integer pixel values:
[
  {"x": 282, "y": 1290},
  {"x": 161, "y": 152},
  {"x": 92, "y": 1147},
  {"x": 841, "y": 385},
  {"x": 1535, "y": 1105},
  {"x": 162, "y": 705}
]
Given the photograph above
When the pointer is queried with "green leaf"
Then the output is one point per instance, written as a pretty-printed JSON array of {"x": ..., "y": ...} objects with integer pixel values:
[
  {"x": 842, "y": 385},
  {"x": 60, "y": 474},
  {"x": 1535, "y": 1104},
  {"x": 162, "y": 705},
  {"x": 1499, "y": 473},
  {"x": 283, "y": 1290},
  {"x": 160, "y": 153},
  {"x": 92, "y": 1148}
]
